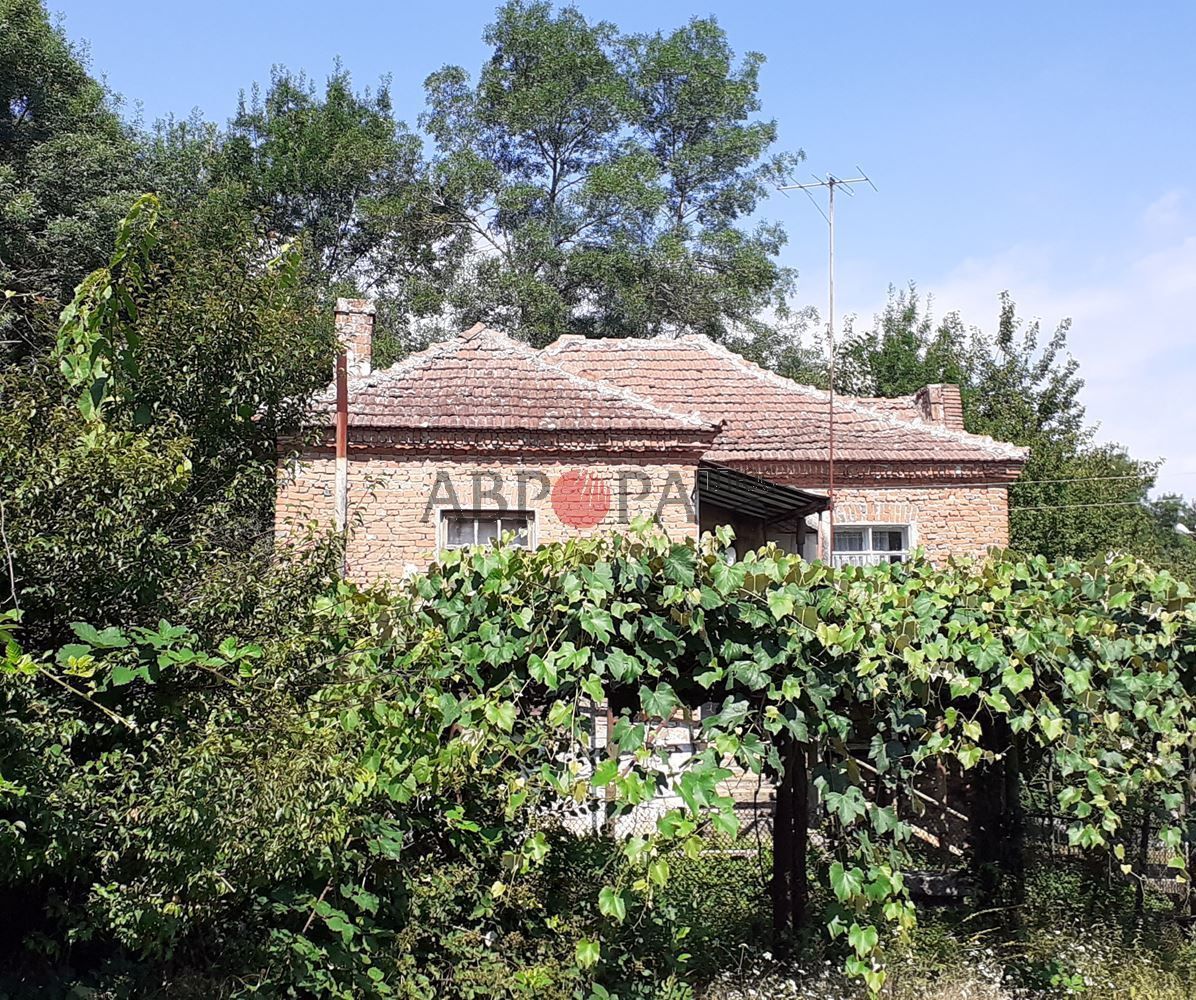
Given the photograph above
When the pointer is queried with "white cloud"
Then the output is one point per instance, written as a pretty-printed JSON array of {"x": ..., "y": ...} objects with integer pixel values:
[
  {"x": 1166, "y": 212},
  {"x": 1133, "y": 327}
]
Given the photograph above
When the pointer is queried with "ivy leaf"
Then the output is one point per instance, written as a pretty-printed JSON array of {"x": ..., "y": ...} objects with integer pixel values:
[
  {"x": 969, "y": 757},
  {"x": 605, "y": 772},
  {"x": 592, "y": 686},
  {"x": 611, "y": 903},
  {"x": 1051, "y": 728},
  {"x": 597, "y": 622},
  {"x": 501, "y": 714},
  {"x": 846, "y": 883},
  {"x": 659, "y": 704},
  {"x": 780, "y": 604},
  {"x": 587, "y": 952},
  {"x": 750, "y": 674},
  {"x": 622, "y": 665},
  {"x": 543, "y": 671},
  {"x": 1017, "y": 680},
  {"x": 679, "y": 565},
  {"x": 863, "y": 939}
]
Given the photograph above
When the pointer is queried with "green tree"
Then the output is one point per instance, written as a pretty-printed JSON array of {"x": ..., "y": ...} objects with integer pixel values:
[
  {"x": 602, "y": 181},
  {"x": 1077, "y": 497},
  {"x": 337, "y": 169},
  {"x": 68, "y": 172},
  {"x": 144, "y": 449}
]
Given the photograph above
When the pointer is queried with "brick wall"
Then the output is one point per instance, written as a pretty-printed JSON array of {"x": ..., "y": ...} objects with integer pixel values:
[
  {"x": 394, "y": 501},
  {"x": 389, "y": 498},
  {"x": 944, "y": 520}
]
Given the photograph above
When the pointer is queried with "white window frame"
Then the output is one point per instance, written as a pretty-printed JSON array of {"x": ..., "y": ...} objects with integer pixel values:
[
  {"x": 869, "y": 555},
  {"x": 447, "y": 513}
]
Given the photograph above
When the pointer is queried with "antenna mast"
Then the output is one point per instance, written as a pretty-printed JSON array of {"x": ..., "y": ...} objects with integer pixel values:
[{"x": 830, "y": 183}]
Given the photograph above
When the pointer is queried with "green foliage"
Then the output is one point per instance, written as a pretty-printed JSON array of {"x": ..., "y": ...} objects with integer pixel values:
[
  {"x": 414, "y": 747},
  {"x": 145, "y": 447},
  {"x": 337, "y": 170},
  {"x": 601, "y": 181},
  {"x": 68, "y": 172}
]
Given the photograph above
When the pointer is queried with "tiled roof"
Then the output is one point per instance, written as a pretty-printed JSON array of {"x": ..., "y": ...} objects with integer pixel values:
[
  {"x": 905, "y": 407},
  {"x": 766, "y": 417},
  {"x": 484, "y": 380}
]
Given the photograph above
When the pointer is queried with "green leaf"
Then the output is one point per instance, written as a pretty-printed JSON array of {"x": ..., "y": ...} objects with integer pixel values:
[
  {"x": 863, "y": 939},
  {"x": 846, "y": 883},
  {"x": 109, "y": 638},
  {"x": 587, "y": 952},
  {"x": 1017, "y": 680},
  {"x": 592, "y": 686},
  {"x": 679, "y": 565},
  {"x": 543, "y": 671},
  {"x": 501, "y": 714},
  {"x": 597, "y": 622},
  {"x": 122, "y": 675},
  {"x": 605, "y": 772},
  {"x": 1052, "y": 728},
  {"x": 611, "y": 903},
  {"x": 659, "y": 704},
  {"x": 780, "y": 604}
]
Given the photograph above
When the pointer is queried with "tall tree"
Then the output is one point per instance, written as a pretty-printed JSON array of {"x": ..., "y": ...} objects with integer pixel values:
[
  {"x": 1077, "y": 496},
  {"x": 68, "y": 172},
  {"x": 338, "y": 169},
  {"x": 601, "y": 181},
  {"x": 142, "y": 451}
]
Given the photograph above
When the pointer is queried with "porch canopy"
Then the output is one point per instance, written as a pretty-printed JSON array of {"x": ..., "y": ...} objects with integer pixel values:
[{"x": 753, "y": 496}]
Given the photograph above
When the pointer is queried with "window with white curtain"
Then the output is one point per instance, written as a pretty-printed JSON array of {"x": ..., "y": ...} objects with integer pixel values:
[{"x": 869, "y": 544}]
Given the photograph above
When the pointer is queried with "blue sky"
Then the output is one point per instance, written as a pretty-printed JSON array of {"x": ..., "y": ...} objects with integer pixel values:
[{"x": 1044, "y": 148}]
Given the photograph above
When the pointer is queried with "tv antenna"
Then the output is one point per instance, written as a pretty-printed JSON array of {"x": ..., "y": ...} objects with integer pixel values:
[{"x": 830, "y": 183}]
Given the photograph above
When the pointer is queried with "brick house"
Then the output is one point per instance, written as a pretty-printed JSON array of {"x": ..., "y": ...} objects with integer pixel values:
[{"x": 483, "y": 435}]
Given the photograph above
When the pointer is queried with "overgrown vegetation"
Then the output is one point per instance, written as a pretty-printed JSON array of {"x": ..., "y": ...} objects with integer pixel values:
[{"x": 364, "y": 800}]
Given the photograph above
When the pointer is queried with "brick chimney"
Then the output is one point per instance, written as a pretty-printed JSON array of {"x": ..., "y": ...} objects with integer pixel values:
[
  {"x": 355, "y": 331},
  {"x": 941, "y": 404}
]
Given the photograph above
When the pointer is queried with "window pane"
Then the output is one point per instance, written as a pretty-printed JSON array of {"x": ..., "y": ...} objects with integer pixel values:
[
  {"x": 487, "y": 529},
  {"x": 519, "y": 526},
  {"x": 458, "y": 530},
  {"x": 849, "y": 541},
  {"x": 888, "y": 540}
]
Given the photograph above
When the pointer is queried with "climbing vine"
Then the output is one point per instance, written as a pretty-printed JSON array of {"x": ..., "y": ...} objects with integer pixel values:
[{"x": 490, "y": 670}]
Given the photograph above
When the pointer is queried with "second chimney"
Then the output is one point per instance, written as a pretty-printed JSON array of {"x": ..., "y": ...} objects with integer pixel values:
[
  {"x": 941, "y": 404},
  {"x": 355, "y": 333}
]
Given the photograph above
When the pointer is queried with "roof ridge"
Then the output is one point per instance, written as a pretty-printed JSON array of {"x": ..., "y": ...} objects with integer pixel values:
[
  {"x": 579, "y": 339},
  {"x": 626, "y": 395},
  {"x": 536, "y": 356},
  {"x": 1001, "y": 448},
  {"x": 433, "y": 352},
  {"x": 480, "y": 333}
]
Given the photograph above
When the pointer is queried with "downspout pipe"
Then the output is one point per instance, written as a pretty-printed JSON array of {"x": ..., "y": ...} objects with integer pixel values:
[
  {"x": 342, "y": 453},
  {"x": 354, "y": 357}
]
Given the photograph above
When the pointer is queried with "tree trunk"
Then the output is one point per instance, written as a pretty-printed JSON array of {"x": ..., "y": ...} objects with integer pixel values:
[
  {"x": 998, "y": 834},
  {"x": 1143, "y": 859},
  {"x": 790, "y": 883}
]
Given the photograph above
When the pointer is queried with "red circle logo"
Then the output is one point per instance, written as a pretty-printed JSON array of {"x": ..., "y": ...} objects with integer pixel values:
[{"x": 581, "y": 500}]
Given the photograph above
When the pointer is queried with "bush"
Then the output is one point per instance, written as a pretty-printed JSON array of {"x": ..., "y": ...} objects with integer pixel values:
[{"x": 357, "y": 794}]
